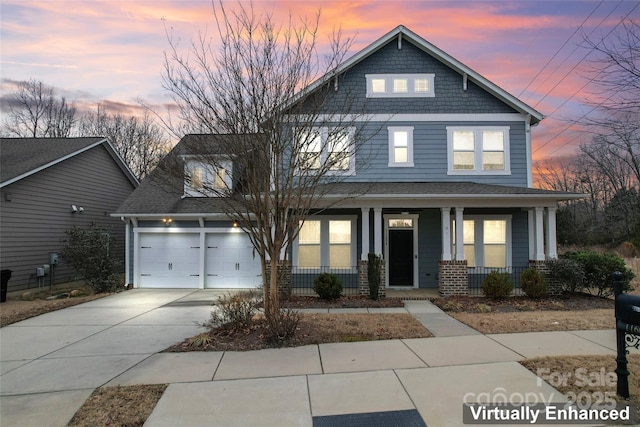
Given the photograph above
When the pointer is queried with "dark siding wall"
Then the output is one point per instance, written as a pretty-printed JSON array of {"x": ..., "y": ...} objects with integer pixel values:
[{"x": 33, "y": 223}]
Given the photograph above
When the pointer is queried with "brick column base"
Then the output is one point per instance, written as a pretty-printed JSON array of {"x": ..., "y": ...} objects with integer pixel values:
[
  {"x": 553, "y": 285},
  {"x": 284, "y": 277},
  {"x": 453, "y": 278},
  {"x": 363, "y": 279}
]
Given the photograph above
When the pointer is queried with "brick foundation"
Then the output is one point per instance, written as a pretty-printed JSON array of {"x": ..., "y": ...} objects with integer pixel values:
[
  {"x": 284, "y": 277},
  {"x": 453, "y": 278},
  {"x": 553, "y": 285},
  {"x": 363, "y": 279}
]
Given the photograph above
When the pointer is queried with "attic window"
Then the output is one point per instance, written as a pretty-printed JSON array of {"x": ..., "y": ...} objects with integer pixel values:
[{"x": 399, "y": 85}]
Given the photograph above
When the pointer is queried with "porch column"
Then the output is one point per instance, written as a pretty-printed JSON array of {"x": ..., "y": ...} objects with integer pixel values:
[
  {"x": 446, "y": 234},
  {"x": 365, "y": 234},
  {"x": 377, "y": 230},
  {"x": 459, "y": 234},
  {"x": 532, "y": 233},
  {"x": 539, "y": 234},
  {"x": 552, "y": 245}
]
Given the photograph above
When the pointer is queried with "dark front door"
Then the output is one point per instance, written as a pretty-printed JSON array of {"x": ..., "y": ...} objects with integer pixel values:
[{"x": 401, "y": 257}]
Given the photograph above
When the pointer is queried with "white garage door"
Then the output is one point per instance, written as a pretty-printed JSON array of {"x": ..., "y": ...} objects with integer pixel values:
[
  {"x": 169, "y": 260},
  {"x": 231, "y": 261}
]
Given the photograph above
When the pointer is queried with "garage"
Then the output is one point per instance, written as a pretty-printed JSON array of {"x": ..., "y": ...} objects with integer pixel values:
[
  {"x": 169, "y": 260},
  {"x": 231, "y": 261}
]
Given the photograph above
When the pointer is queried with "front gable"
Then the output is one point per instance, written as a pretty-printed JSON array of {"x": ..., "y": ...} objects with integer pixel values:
[{"x": 451, "y": 92}]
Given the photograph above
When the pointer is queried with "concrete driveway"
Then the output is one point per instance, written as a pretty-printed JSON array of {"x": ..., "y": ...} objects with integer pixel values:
[{"x": 50, "y": 364}]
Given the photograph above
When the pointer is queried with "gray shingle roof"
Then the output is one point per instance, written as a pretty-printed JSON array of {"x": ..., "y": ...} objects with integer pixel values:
[{"x": 22, "y": 155}]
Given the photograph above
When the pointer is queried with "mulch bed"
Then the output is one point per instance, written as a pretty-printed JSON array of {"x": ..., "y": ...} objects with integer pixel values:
[
  {"x": 359, "y": 301},
  {"x": 522, "y": 303}
]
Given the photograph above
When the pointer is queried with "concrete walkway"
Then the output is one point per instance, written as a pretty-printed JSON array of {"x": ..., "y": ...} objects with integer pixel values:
[{"x": 52, "y": 363}]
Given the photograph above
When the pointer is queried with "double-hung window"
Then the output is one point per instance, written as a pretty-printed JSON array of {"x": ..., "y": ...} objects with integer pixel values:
[
  {"x": 400, "y": 146},
  {"x": 478, "y": 150},
  {"x": 487, "y": 241},
  {"x": 330, "y": 150},
  {"x": 326, "y": 242}
]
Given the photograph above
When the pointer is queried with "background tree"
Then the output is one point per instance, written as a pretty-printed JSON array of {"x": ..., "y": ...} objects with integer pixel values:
[
  {"x": 607, "y": 167},
  {"x": 249, "y": 87},
  {"x": 35, "y": 110},
  {"x": 139, "y": 140}
]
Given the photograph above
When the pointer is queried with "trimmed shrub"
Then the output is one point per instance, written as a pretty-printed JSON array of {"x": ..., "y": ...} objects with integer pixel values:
[
  {"x": 374, "y": 273},
  {"x": 598, "y": 271},
  {"x": 569, "y": 274},
  {"x": 328, "y": 286},
  {"x": 533, "y": 284},
  {"x": 497, "y": 285}
]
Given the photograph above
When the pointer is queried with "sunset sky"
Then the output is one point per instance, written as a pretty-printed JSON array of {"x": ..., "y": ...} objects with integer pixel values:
[{"x": 112, "y": 51}]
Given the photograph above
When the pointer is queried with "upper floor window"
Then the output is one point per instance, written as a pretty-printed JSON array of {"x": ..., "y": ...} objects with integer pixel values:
[
  {"x": 400, "y": 146},
  {"x": 330, "y": 150},
  {"x": 478, "y": 150},
  {"x": 399, "y": 85},
  {"x": 203, "y": 179}
]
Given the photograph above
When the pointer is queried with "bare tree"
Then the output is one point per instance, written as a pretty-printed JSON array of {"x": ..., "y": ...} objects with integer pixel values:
[
  {"x": 36, "y": 111},
  {"x": 140, "y": 142},
  {"x": 276, "y": 108}
]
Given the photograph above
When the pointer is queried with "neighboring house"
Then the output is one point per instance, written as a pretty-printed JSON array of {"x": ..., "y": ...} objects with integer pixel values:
[
  {"x": 452, "y": 148},
  {"x": 48, "y": 186}
]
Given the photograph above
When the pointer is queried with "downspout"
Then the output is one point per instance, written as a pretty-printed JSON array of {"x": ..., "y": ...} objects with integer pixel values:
[{"x": 527, "y": 134}]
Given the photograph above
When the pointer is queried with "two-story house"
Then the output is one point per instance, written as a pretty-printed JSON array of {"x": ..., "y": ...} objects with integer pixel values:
[{"x": 449, "y": 189}]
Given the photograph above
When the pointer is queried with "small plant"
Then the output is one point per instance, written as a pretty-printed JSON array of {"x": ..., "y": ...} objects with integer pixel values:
[
  {"x": 235, "y": 310},
  {"x": 328, "y": 286},
  {"x": 497, "y": 285},
  {"x": 374, "y": 273},
  {"x": 282, "y": 326},
  {"x": 483, "y": 308},
  {"x": 200, "y": 340},
  {"x": 533, "y": 284},
  {"x": 452, "y": 306}
]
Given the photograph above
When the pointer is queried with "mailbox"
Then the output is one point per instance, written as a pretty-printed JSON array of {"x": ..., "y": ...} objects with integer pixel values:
[
  {"x": 628, "y": 311},
  {"x": 627, "y": 328}
]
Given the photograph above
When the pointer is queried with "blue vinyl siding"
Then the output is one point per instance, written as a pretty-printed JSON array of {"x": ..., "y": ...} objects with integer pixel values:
[{"x": 430, "y": 155}]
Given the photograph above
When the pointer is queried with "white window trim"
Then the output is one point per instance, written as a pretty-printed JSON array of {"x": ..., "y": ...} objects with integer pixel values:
[
  {"x": 208, "y": 178},
  {"x": 479, "y": 236},
  {"x": 410, "y": 93},
  {"x": 324, "y": 151},
  {"x": 392, "y": 160},
  {"x": 324, "y": 242},
  {"x": 478, "y": 150}
]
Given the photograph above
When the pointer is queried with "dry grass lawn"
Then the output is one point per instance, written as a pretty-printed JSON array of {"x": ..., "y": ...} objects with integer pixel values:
[
  {"x": 118, "y": 406},
  {"x": 586, "y": 377},
  {"x": 538, "y": 321}
]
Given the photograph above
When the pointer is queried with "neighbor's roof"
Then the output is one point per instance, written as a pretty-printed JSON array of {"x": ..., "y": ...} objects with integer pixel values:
[
  {"x": 439, "y": 54},
  {"x": 23, "y": 157}
]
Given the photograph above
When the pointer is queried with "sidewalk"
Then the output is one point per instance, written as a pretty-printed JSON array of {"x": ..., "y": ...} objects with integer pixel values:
[{"x": 52, "y": 363}]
